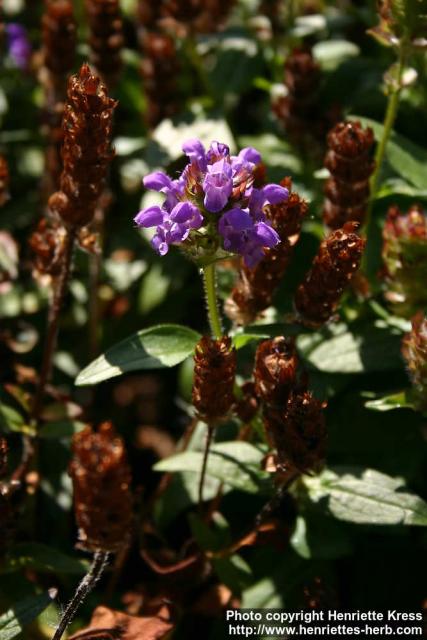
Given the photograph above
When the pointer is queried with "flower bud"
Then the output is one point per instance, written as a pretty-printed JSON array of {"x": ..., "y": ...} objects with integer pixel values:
[
  {"x": 414, "y": 350},
  {"x": 101, "y": 481},
  {"x": 337, "y": 260},
  {"x": 349, "y": 163},
  {"x": 405, "y": 259},
  {"x": 214, "y": 373}
]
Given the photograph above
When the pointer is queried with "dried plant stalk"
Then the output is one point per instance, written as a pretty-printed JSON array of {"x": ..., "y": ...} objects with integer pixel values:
[{"x": 337, "y": 261}]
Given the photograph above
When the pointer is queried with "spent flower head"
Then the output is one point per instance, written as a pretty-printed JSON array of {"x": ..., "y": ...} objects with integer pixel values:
[{"x": 213, "y": 209}]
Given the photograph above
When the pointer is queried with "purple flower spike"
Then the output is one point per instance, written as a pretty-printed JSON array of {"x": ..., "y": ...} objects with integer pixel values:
[
  {"x": 225, "y": 183},
  {"x": 218, "y": 185},
  {"x": 149, "y": 217}
]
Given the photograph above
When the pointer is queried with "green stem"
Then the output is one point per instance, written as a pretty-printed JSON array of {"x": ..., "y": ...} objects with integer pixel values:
[
  {"x": 209, "y": 281},
  {"x": 389, "y": 119}
]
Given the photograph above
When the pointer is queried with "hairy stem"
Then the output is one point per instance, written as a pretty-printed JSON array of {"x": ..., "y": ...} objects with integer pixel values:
[
  {"x": 389, "y": 120},
  {"x": 29, "y": 443},
  {"x": 209, "y": 281},
  {"x": 100, "y": 560},
  {"x": 53, "y": 324}
]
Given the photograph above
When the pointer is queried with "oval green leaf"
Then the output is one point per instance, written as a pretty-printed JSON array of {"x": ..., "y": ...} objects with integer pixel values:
[{"x": 157, "y": 347}]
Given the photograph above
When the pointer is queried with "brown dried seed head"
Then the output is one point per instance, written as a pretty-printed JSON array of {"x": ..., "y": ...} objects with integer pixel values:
[
  {"x": 214, "y": 373},
  {"x": 298, "y": 432},
  {"x": 349, "y": 161},
  {"x": 275, "y": 370},
  {"x": 102, "y": 496},
  {"x": 338, "y": 258},
  {"x": 159, "y": 70},
  {"x": 414, "y": 351},
  {"x": 255, "y": 288},
  {"x": 86, "y": 150},
  {"x": 59, "y": 38},
  {"x": 47, "y": 244},
  {"x": 106, "y": 37},
  {"x": 248, "y": 404}
]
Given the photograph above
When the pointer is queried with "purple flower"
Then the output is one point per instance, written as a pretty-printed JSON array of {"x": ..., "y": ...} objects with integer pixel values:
[
  {"x": 218, "y": 185},
  {"x": 195, "y": 151},
  {"x": 242, "y": 235},
  {"x": 18, "y": 45},
  {"x": 214, "y": 193},
  {"x": 171, "y": 227}
]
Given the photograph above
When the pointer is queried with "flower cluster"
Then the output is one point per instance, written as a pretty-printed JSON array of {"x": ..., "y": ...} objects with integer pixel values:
[
  {"x": 213, "y": 205},
  {"x": 405, "y": 259}
]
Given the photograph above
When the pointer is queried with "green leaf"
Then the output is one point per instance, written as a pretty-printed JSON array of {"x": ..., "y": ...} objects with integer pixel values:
[
  {"x": 154, "y": 348},
  {"x": 13, "y": 621},
  {"x": 237, "y": 464},
  {"x": 154, "y": 288},
  {"x": 40, "y": 557},
  {"x": 399, "y": 400},
  {"x": 61, "y": 429},
  {"x": 337, "y": 349},
  {"x": 404, "y": 156},
  {"x": 316, "y": 536},
  {"x": 233, "y": 571},
  {"x": 366, "y": 496},
  {"x": 12, "y": 420}
]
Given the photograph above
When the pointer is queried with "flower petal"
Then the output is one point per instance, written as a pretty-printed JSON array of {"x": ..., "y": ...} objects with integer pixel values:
[
  {"x": 149, "y": 217},
  {"x": 157, "y": 181},
  {"x": 274, "y": 193}
]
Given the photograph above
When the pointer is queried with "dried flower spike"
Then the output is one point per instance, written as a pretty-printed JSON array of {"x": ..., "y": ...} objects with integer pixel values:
[
  {"x": 275, "y": 370},
  {"x": 298, "y": 110},
  {"x": 101, "y": 482},
  {"x": 338, "y": 258},
  {"x": 214, "y": 372},
  {"x": 159, "y": 71},
  {"x": 106, "y": 38},
  {"x": 414, "y": 350},
  {"x": 349, "y": 162},
  {"x": 86, "y": 150},
  {"x": 58, "y": 54},
  {"x": 298, "y": 432},
  {"x": 4, "y": 181},
  {"x": 47, "y": 243},
  {"x": 405, "y": 259},
  {"x": 59, "y": 40},
  {"x": 184, "y": 17},
  {"x": 254, "y": 289}
]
